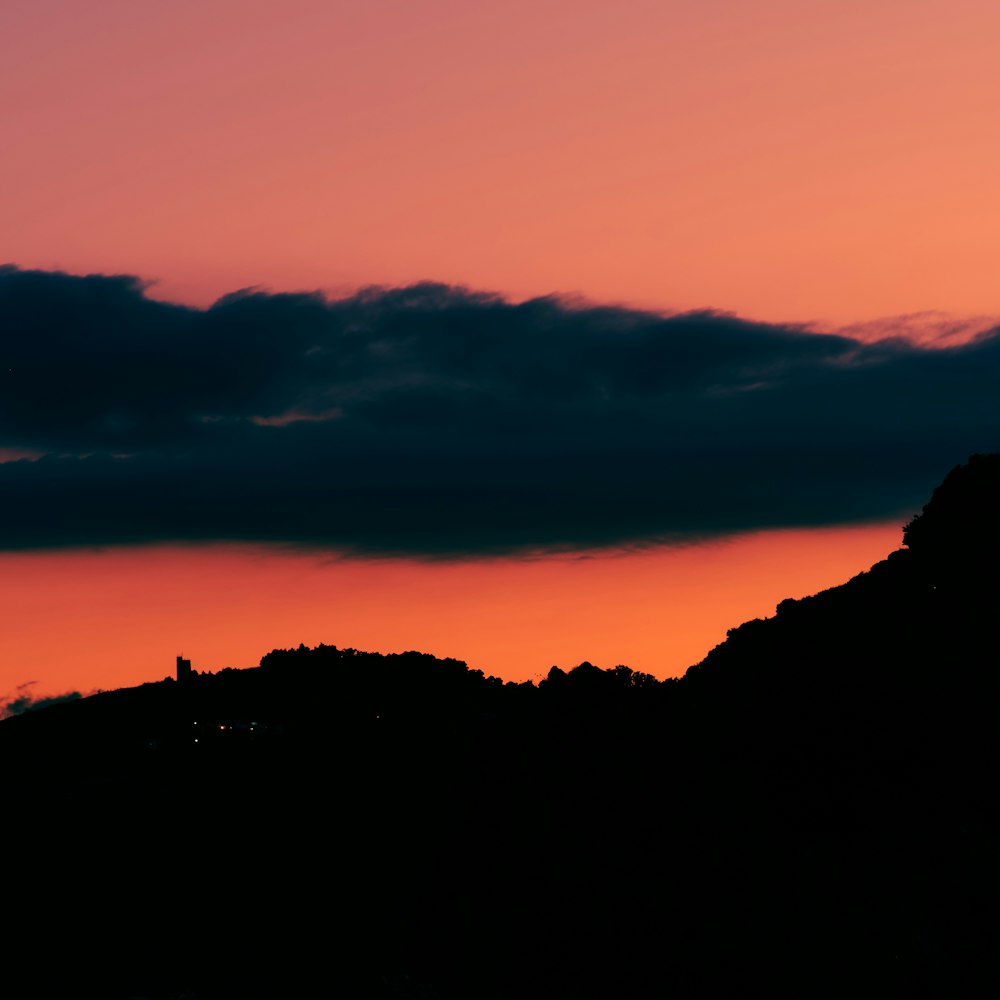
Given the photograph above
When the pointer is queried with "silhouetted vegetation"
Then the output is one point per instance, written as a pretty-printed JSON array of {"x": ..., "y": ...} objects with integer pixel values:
[{"x": 810, "y": 811}]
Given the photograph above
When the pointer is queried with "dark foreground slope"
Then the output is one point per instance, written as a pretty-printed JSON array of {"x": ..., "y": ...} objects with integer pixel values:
[{"x": 811, "y": 811}]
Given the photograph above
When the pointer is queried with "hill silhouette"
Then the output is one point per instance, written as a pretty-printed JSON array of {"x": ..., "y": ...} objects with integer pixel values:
[{"x": 810, "y": 808}]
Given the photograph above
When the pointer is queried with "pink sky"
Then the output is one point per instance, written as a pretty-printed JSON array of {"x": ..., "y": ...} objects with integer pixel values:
[{"x": 829, "y": 162}]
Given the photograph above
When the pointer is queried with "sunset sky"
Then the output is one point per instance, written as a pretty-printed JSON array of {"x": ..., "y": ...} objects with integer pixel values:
[{"x": 523, "y": 333}]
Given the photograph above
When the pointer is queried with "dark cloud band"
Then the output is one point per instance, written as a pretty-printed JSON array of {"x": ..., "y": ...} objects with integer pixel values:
[{"x": 432, "y": 420}]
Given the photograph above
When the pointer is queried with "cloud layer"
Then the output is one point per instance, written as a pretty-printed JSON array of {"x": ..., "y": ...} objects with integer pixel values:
[{"x": 438, "y": 421}]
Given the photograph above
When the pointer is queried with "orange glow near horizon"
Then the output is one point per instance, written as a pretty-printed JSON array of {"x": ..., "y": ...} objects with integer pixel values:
[{"x": 91, "y": 620}]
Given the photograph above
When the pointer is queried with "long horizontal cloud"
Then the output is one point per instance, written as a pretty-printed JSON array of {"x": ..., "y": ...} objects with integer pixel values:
[{"x": 433, "y": 420}]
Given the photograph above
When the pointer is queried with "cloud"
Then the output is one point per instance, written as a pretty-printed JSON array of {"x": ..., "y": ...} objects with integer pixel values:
[
  {"x": 23, "y": 701},
  {"x": 930, "y": 328},
  {"x": 438, "y": 421}
]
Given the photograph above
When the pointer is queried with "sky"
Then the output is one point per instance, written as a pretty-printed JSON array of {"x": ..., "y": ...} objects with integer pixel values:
[{"x": 523, "y": 333}]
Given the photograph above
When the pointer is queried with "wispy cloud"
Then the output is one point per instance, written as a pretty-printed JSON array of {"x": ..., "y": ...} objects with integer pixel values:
[{"x": 22, "y": 700}]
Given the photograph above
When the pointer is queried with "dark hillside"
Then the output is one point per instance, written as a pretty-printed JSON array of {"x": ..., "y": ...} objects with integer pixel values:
[{"x": 810, "y": 808}]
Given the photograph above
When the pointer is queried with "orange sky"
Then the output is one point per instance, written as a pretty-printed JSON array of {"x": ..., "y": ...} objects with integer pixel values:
[
  {"x": 830, "y": 162},
  {"x": 119, "y": 617}
]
